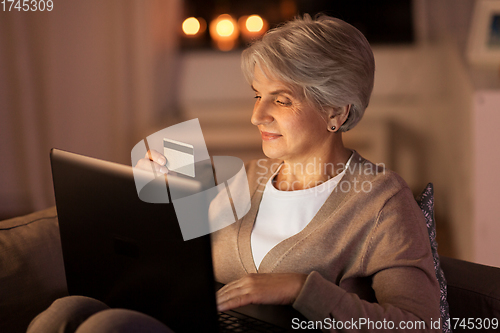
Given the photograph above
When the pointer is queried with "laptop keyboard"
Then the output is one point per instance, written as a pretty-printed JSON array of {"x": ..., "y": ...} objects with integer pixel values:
[{"x": 241, "y": 323}]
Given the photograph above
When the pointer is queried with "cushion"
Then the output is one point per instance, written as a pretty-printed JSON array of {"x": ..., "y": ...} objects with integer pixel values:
[
  {"x": 31, "y": 268},
  {"x": 426, "y": 203}
]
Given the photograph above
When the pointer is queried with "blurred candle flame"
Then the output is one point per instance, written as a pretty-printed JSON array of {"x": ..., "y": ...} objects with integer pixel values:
[
  {"x": 254, "y": 23},
  {"x": 224, "y": 32},
  {"x": 191, "y": 26},
  {"x": 252, "y": 27},
  {"x": 225, "y": 28}
]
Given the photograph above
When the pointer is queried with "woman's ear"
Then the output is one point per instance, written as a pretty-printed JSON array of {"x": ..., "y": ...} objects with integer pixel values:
[{"x": 337, "y": 117}]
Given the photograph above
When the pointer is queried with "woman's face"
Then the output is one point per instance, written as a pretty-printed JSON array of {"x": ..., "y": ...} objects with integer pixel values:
[{"x": 291, "y": 129}]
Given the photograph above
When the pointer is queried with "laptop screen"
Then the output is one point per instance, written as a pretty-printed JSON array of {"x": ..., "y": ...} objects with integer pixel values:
[{"x": 129, "y": 253}]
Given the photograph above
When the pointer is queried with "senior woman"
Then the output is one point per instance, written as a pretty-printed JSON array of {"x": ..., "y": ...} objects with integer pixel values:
[
  {"x": 329, "y": 232},
  {"x": 336, "y": 236}
]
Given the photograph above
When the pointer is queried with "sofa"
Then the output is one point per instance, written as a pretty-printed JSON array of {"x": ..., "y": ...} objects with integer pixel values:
[{"x": 32, "y": 275}]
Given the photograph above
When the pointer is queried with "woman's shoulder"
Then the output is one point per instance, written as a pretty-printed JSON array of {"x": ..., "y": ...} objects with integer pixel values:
[{"x": 377, "y": 175}]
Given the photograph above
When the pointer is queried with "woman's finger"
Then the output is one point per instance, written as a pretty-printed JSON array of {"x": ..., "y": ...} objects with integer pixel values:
[
  {"x": 149, "y": 165},
  {"x": 155, "y": 156},
  {"x": 235, "y": 302},
  {"x": 271, "y": 288}
]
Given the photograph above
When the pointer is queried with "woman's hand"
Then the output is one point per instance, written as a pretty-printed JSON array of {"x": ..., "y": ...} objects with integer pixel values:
[
  {"x": 153, "y": 159},
  {"x": 269, "y": 288}
]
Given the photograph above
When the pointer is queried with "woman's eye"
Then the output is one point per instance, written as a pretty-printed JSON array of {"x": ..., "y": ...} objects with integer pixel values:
[
  {"x": 283, "y": 103},
  {"x": 257, "y": 97}
]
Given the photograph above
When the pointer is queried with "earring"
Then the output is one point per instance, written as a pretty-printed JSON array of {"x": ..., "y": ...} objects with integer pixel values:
[{"x": 333, "y": 128}]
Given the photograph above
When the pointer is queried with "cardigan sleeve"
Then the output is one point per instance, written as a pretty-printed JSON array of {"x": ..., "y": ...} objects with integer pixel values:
[{"x": 397, "y": 260}]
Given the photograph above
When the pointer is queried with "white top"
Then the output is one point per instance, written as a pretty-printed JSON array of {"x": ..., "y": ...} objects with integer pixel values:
[{"x": 283, "y": 214}]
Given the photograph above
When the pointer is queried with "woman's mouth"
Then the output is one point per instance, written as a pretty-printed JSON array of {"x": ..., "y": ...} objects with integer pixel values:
[{"x": 266, "y": 136}]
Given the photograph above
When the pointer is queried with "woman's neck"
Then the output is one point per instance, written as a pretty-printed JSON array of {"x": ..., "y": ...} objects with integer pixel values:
[{"x": 311, "y": 172}]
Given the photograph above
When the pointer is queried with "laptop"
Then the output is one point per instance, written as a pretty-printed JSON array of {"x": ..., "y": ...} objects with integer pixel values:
[{"x": 131, "y": 254}]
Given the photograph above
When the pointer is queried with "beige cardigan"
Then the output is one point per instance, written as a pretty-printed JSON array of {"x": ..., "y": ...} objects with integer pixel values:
[{"x": 366, "y": 252}]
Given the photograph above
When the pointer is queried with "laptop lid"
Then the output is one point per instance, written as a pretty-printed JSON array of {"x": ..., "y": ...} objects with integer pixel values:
[{"x": 129, "y": 253}]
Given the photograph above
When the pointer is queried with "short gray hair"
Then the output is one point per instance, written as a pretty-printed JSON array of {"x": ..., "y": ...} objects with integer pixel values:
[{"x": 329, "y": 59}]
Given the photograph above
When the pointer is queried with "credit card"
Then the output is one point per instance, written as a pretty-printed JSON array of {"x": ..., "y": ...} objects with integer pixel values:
[{"x": 180, "y": 156}]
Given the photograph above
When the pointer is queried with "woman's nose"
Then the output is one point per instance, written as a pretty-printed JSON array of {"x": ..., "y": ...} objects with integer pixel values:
[{"x": 261, "y": 114}]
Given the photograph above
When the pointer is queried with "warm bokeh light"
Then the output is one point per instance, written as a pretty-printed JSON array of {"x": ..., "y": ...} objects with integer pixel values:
[
  {"x": 225, "y": 28},
  {"x": 252, "y": 27},
  {"x": 224, "y": 32},
  {"x": 191, "y": 26},
  {"x": 254, "y": 23}
]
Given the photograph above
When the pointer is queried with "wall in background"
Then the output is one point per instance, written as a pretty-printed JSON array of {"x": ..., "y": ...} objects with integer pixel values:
[
  {"x": 89, "y": 77},
  {"x": 486, "y": 179}
]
